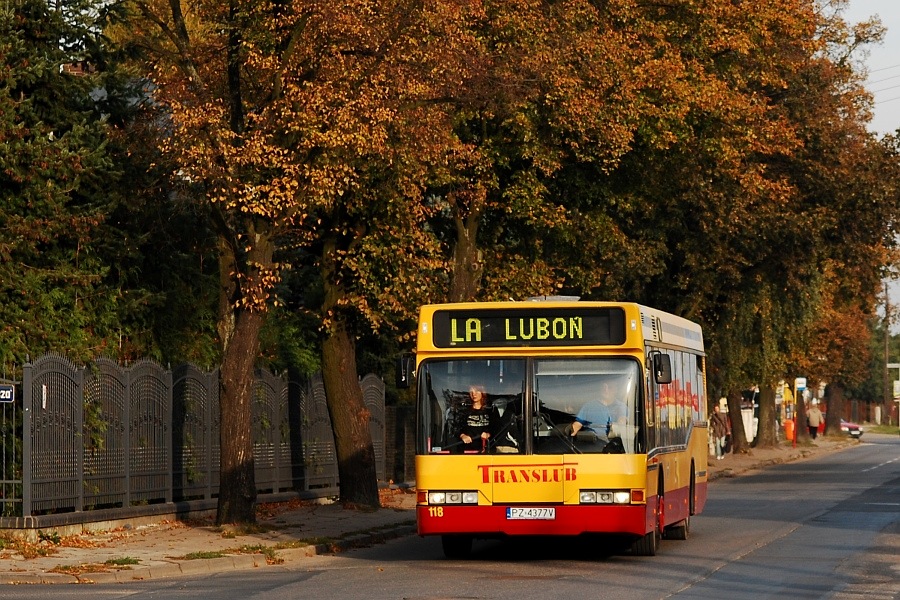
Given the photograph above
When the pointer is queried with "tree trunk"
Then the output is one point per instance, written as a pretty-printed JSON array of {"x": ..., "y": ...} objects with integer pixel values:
[
  {"x": 834, "y": 396},
  {"x": 738, "y": 437},
  {"x": 241, "y": 317},
  {"x": 237, "y": 481},
  {"x": 800, "y": 423},
  {"x": 343, "y": 396},
  {"x": 766, "y": 431},
  {"x": 350, "y": 419},
  {"x": 465, "y": 279}
]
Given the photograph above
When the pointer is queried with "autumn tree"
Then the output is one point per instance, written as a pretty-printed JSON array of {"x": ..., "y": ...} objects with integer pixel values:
[
  {"x": 844, "y": 176},
  {"x": 497, "y": 149},
  {"x": 735, "y": 201},
  {"x": 557, "y": 100},
  {"x": 695, "y": 199},
  {"x": 307, "y": 125},
  {"x": 667, "y": 160}
]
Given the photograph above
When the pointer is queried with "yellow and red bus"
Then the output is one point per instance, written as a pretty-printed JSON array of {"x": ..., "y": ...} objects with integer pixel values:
[{"x": 559, "y": 458}]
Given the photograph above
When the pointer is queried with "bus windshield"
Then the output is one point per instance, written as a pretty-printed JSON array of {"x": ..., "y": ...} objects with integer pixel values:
[{"x": 529, "y": 405}]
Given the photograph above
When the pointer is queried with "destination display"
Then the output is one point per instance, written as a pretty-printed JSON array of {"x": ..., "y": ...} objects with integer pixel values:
[{"x": 529, "y": 327}]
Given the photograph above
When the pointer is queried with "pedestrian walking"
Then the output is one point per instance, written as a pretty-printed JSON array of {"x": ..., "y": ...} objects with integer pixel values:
[
  {"x": 718, "y": 424},
  {"x": 814, "y": 419}
]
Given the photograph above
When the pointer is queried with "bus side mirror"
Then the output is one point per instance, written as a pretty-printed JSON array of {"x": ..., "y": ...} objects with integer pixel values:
[
  {"x": 662, "y": 368},
  {"x": 405, "y": 365}
]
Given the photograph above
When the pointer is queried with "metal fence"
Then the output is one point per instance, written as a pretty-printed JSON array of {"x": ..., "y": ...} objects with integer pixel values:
[{"x": 105, "y": 436}]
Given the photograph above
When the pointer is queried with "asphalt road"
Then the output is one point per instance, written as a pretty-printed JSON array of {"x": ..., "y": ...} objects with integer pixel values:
[{"x": 822, "y": 528}]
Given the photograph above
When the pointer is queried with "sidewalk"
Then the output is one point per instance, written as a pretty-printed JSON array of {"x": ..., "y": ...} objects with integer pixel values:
[
  {"x": 757, "y": 458},
  {"x": 287, "y": 532}
]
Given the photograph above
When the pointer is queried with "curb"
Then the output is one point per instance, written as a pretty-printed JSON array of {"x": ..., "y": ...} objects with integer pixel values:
[
  {"x": 348, "y": 543},
  {"x": 180, "y": 568},
  {"x": 36, "y": 578}
]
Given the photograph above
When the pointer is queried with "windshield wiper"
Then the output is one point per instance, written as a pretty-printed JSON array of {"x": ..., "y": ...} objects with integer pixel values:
[{"x": 565, "y": 438}]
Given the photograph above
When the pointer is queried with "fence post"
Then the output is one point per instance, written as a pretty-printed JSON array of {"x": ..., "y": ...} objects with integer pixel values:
[
  {"x": 281, "y": 416},
  {"x": 126, "y": 438},
  {"x": 79, "y": 429},
  {"x": 26, "y": 439},
  {"x": 170, "y": 450},
  {"x": 211, "y": 381}
]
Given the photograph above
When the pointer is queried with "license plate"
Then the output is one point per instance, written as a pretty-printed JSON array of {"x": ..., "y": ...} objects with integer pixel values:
[{"x": 543, "y": 513}]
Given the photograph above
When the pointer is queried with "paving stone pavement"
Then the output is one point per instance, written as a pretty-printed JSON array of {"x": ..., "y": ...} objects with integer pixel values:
[{"x": 287, "y": 532}]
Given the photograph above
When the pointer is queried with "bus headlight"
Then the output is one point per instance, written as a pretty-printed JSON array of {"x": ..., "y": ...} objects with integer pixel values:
[
  {"x": 453, "y": 497},
  {"x": 604, "y": 497}
]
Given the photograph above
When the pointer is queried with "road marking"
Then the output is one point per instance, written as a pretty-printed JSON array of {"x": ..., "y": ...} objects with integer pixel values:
[{"x": 881, "y": 465}]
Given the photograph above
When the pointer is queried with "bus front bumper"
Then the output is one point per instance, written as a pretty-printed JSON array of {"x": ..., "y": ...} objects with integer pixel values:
[{"x": 567, "y": 520}]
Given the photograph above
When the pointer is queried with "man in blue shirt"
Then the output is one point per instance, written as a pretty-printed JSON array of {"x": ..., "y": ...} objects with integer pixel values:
[{"x": 603, "y": 416}]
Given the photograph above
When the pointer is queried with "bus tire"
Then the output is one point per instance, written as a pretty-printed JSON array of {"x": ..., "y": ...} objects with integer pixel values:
[
  {"x": 456, "y": 546},
  {"x": 682, "y": 529},
  {"x": 648, "y": 544}
]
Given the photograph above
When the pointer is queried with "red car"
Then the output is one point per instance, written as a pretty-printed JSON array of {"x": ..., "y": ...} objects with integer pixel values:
[
  {"x": 851, "y": 429},
  {"x": 848, "y": 427}
]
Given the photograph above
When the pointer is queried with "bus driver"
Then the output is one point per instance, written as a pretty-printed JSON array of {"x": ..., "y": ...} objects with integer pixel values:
[{"x": 604, "y": 416}]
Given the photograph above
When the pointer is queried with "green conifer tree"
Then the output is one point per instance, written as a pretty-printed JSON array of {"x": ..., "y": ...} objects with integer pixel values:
[{"x": 56, "y": 184}]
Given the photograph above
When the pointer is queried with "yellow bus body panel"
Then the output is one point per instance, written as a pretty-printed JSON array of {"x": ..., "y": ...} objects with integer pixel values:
[{"x": 533, "y": 479}]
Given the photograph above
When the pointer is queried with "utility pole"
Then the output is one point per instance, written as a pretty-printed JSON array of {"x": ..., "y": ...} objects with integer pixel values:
[{"x": 888, "y": 388}]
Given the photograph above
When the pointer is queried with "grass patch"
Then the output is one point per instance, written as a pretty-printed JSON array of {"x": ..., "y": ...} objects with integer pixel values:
[
  {"x": 79, "y": 569},
  {"x": 201, "y": 555},
  {"x": 232, "y": 531},
  {"x": 49, "y": 536},
  {"x": 871, "y": 428},
  {"x": 305, "y": 542},
  {"x": 29, "y": 551},
  {"x": 119, "y": 564},
  {"x": 270, "y": 552},
  {"x": 122, "y": 562}
]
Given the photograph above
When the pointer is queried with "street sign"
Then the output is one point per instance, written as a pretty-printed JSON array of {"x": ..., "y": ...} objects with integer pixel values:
[
  {"x": 7, "y": 393},
  {"x": 896, "y": 389},
  {"x": 800, "y": 384}
]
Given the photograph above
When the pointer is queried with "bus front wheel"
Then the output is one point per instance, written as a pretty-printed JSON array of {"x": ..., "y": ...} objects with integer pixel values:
[
  {"x": 681, "y": 530},
  {"x": 648, "y": 544},
  {"x": 456, "y": 546}
]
